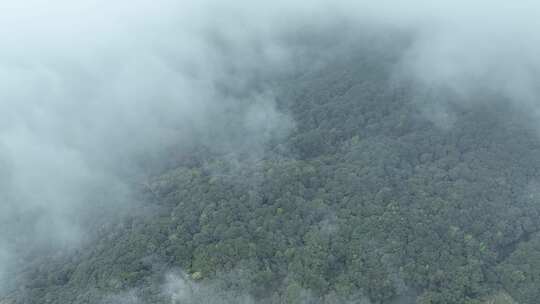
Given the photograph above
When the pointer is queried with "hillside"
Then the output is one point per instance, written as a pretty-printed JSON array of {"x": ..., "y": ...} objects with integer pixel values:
[{"x": 381, "y": 192}]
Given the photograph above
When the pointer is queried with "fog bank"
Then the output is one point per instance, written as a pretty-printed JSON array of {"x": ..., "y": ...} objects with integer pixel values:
[{"x": 91, "y": 92}]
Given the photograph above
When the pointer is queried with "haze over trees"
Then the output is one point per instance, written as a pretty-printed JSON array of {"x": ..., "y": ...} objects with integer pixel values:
[{"x": 351, "y": 156}]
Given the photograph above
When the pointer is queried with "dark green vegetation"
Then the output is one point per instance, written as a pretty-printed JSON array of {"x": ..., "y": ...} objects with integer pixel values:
[{"x": 367, "y": 198}]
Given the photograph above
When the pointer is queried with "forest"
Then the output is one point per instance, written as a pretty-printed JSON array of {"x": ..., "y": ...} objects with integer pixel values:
[{"x": 383, "y": 191}]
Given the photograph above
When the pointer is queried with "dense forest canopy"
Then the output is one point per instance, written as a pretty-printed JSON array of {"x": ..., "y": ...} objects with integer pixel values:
[{"x": 330, "y": 165}]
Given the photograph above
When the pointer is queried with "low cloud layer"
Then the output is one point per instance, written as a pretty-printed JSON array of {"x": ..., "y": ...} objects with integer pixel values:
[{"x": 89, "y": 90}]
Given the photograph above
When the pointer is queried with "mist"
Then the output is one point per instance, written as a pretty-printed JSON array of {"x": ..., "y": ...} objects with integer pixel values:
[{"x": 94, "y": 94}]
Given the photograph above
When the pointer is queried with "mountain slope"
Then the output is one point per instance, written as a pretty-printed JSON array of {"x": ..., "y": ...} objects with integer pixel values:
[{"x": 383, "y": 192}]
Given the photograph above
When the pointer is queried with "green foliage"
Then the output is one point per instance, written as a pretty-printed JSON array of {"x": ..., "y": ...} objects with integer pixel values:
[{"x": 372, "y": 201}]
